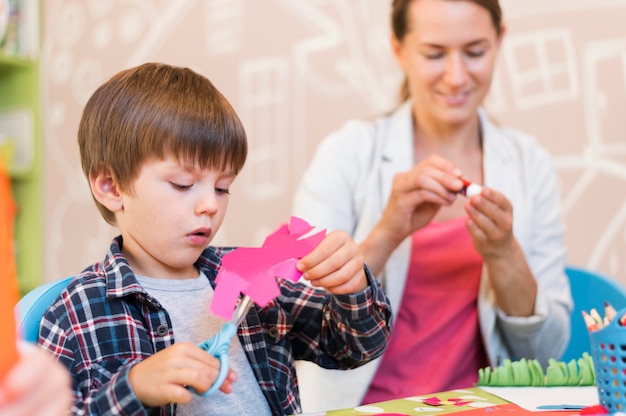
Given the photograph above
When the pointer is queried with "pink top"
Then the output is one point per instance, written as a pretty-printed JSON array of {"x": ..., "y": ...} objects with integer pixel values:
[{"x": 436, "y": 343}]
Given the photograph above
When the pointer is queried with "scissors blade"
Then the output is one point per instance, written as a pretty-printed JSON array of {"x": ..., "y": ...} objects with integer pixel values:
[{"x": 242, "y": 310}]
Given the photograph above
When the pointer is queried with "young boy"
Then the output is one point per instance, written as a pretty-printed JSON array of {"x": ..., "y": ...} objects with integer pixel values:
[{"x": 160, "y": 147}]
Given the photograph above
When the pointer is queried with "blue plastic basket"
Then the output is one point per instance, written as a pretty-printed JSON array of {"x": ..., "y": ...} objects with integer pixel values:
[{"x": 608, "y": 351}]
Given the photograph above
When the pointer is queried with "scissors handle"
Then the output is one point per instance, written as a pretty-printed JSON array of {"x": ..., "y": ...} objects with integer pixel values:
[{"x": 217, "y": 346}]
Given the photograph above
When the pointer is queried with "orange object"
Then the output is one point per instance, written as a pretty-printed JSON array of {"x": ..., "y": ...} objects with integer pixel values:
[
  {"x": 9, "y": 293},
  {"x": 590, "y": 322}
]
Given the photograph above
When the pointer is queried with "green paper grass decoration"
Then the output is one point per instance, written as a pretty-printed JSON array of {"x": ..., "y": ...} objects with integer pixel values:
[{"x": 529, "y": 373}]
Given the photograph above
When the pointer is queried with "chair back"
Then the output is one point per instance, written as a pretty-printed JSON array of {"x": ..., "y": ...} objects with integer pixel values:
[
  {"x": 590, "y": 289},
  {"x": 30, "y": 308}
]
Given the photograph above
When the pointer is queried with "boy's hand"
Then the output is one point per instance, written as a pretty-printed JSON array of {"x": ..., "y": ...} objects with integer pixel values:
[
  {"x": 336, "y": 264},
  {"x": 163, "y": 377},
  {"x": 36, "y": 385}
]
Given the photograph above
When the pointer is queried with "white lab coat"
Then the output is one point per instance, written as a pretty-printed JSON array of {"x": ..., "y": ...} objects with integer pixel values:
[{"x": 346, "y": 187}]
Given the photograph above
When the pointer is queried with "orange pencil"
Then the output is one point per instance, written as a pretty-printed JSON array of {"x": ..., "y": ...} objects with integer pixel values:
[{"x": 591, "y": 324}]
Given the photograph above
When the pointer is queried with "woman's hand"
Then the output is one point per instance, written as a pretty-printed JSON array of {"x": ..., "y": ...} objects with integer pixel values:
[
  {"x": 416, "y": 196},
  {"x": 490, "y": 223}
]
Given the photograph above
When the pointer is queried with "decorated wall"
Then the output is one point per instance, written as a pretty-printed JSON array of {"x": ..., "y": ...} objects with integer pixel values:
[{"x": 297, "y": 69}]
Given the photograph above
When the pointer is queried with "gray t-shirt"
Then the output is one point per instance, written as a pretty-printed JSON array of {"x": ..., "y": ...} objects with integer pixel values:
[{"x": 187, "y": 303}]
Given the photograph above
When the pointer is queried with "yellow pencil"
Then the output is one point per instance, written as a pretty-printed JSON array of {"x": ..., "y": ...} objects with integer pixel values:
[{"x": 596, "y": 317}]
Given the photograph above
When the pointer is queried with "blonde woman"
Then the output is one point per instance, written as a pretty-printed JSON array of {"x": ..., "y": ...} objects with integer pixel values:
[{"x": 472, "y": 281}]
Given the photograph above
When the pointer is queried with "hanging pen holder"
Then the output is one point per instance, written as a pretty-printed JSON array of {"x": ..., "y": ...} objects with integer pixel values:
[{"x": 608, "y": 352}]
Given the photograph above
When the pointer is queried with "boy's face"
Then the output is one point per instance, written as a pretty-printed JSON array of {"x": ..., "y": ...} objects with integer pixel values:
[{"x": 172, "y": 215}]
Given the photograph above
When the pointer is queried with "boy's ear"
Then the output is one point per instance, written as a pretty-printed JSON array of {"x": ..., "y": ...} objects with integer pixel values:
[{"x": 105, "y": 190}]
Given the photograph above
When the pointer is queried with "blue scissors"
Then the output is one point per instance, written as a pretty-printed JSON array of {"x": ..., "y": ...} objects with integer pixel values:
[{"x": 218, "y": 344}]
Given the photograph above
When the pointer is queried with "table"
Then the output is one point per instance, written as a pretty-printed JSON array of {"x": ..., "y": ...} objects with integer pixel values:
[{"x": 471, "y": 401}]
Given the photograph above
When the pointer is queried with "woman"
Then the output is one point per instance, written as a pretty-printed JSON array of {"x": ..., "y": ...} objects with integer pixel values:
[{"x": 472, "y": 281}]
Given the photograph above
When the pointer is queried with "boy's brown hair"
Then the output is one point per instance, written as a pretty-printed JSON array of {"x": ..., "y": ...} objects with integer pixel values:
[{"x": 153, "y": 110}]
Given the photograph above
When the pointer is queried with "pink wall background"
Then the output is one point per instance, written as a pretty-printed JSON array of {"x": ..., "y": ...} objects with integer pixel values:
[{"x": 296, "y": 69}]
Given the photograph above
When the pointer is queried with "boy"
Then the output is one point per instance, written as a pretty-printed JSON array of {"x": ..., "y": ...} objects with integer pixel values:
[{"x": 160, "y": 147}]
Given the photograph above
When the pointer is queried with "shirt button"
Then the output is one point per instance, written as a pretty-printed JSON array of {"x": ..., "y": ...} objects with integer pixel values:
[
  {"x": 162, "y": 330},
  {"x": 273, "y": 332}
]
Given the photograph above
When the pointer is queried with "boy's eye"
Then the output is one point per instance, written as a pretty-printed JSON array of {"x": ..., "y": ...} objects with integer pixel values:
[
  {"x": 180, "y": 186},
  {"x": 222, "y": 191}
]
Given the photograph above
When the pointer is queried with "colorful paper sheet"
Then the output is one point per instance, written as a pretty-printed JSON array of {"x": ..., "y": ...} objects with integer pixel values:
[
  {"x": 473, "y": 401},
  {"x": 253, "y": 270},
  {"x": 536, "y": 399}
]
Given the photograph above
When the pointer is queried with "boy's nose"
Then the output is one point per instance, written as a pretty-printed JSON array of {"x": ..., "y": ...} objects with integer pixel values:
[{"x": 207, "y": 204}]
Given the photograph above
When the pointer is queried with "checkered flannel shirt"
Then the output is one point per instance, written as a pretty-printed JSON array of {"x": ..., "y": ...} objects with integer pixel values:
[{"x": 104, "y": 322}]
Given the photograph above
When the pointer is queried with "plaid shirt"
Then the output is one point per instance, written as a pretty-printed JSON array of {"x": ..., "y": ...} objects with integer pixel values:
[{"x": 104, "y": 322}]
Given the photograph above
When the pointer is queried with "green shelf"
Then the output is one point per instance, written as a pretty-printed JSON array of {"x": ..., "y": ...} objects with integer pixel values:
[
  {"x": 20, "y": 89},
  {"x": 15, "y": 62}
]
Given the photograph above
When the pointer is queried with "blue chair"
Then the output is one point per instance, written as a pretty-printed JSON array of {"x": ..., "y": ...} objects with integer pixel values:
[
  {"x": 590, "y": 289},
  {"x": 30, "y": 309}
]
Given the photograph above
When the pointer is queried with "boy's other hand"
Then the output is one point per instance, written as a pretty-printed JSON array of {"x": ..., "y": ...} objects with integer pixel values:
[
  {"x": 336, "y": 265},
  {"x": 163, "y": 377},
  {"x": 36, "y": 385}
]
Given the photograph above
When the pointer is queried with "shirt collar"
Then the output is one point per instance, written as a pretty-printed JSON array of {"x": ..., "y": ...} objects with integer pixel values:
[{"x": 120, "y": 278}]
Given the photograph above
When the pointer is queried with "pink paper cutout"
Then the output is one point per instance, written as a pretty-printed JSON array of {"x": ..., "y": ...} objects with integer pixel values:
[
  {"x": 253, "y": 270},
  {"x": 435, "y": 401},
  {"x": 459, "y": 402},
  {"x": 432, "y": 401}
]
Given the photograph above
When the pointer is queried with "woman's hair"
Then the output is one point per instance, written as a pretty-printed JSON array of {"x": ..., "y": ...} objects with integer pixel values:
[
  {"x": 400, "y": 23},
  {"x": 154, "y": 110}
]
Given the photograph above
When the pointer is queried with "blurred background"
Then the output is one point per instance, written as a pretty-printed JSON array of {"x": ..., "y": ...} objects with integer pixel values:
[{"x": 295, "y": 70}]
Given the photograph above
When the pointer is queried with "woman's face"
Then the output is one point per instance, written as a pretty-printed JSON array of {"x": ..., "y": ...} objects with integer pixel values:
[{"x": 448, "y": 55}]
